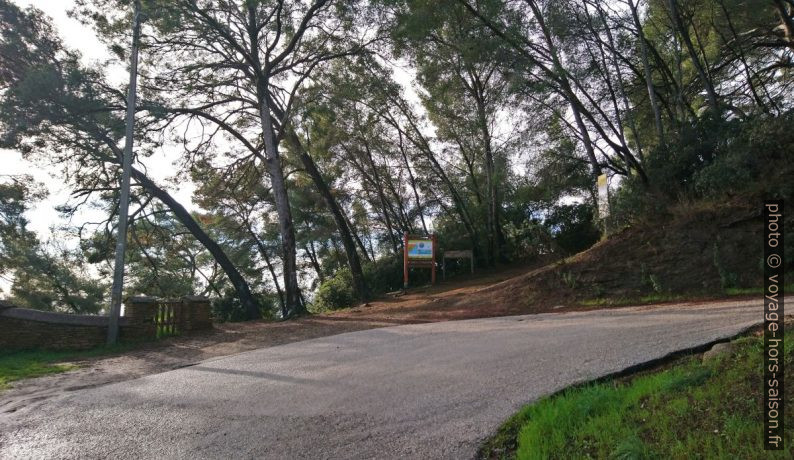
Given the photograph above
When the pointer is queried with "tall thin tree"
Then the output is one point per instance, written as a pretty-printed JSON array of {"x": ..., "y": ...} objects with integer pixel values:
[{"x": 124, "y": 198}]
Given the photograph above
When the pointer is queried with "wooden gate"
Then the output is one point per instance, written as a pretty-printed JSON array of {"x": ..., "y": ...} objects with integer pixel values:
[{"x": 167, "y": 318}]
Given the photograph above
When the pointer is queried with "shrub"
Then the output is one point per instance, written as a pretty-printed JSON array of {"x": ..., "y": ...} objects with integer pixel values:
[
  {"x": 712, "y": 158},
  {"x": 384, "y": 275},
  {"x": 335, "y": 292},
  {"x": 381, "y": 276},
  {"x": 573, "y": 227},
  {"x": 229, "y": 309}
]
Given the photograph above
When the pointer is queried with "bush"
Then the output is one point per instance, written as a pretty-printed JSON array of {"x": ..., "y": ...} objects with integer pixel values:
[
  {"x": 712, "y": 159},
  {"x": 573, "y": 227},
  {"x": 381, "y": 276},
  {"x": 335, "y": 292},
  {"x": 384, "y": 275},
  {"x": 229, "y": 309}
]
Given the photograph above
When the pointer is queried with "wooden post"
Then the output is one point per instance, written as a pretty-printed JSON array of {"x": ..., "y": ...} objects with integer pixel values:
[
  {"x": 405, "y": 260},
  {"x": 433, "y": 266}
]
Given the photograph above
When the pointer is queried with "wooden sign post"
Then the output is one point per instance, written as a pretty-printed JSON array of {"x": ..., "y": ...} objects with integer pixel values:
[
  {"x": 419, "y": 251},
  {"x": 465, "y": 254}
]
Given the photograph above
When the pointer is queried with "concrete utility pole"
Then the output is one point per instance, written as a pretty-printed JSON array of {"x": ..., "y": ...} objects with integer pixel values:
[{"x": 124, "y": 202}]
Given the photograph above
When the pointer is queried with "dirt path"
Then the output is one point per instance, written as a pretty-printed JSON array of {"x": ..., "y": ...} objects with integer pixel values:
[
  {"x": 486, "y": 295},
  {"x": 429, "y": 304}
]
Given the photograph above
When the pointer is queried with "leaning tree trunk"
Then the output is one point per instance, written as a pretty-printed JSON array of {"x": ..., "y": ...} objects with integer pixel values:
[
  {"x": 353, "y": 260},
  {"x": 567, "y": 92},
  {"x": 382, "y": 197},
  {"x": 413, "y": 184},
  {"x": 240, "y": 285}
]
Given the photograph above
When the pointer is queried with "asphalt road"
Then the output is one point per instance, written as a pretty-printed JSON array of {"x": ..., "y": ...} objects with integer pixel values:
[{"x": 419, "y": 391}]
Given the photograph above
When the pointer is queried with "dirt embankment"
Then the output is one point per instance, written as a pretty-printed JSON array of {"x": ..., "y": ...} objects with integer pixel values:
[{"x": 696, "y": 251}]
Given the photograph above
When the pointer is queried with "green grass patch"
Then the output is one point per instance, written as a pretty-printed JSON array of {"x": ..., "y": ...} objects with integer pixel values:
[
  {"x": 687, "y": 410},
  {"x": 759, "y": 291},
  {"x": 17, "y": 365},
  {"x": 26, "y": 364}
]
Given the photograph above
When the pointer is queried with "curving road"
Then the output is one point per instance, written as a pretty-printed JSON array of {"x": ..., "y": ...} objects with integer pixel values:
[{"x": 419, "y": 391}]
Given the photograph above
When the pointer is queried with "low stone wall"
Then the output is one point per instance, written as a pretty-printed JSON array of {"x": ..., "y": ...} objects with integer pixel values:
[{"x": 22, "y": 328}]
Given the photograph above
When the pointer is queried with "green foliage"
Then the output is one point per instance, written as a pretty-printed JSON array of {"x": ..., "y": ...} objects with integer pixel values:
[
  {"x": 573, "y": 227},
  {"x": 570, "y": 279},
  {"x": 44, "y": 278},
  {"x": 712, "y": 159},
  {"x": 228, "y": 308},
  {"x": 336, "y": 292},
  {"x": 728, "y": 279},
  {"x": 383, "y": 275},
  {"x": 665, "y": 414},
  {"x": 650, "y": 279}
]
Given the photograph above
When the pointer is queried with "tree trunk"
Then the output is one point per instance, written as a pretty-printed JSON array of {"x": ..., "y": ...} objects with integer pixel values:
[
  {"x": 742, "y": 57},
  {"x": 567, "y": 91},
  {"x": 382, "y": 197},
  {"x": 490, "y": 181},
  {"x": 240, "y": 285},
  {"x": 312, "y": 255},
  {"x": 286, "y": 228},
  {"x": 621, "y": 86},
  {"x": 263, "y": 252},
  {"x": 413, "y": 184}
]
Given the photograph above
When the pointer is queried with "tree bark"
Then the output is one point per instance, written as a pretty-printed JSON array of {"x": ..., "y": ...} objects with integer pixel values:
[
  {"x": 286, "y": 228},
  {"x": 490, "y": 180}
]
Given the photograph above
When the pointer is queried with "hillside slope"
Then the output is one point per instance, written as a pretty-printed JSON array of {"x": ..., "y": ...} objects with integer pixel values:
[{"x": 698, "y": 251}]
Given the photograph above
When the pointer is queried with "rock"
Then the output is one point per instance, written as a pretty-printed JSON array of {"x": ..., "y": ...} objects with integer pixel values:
[{"x": 718, "y": 349}]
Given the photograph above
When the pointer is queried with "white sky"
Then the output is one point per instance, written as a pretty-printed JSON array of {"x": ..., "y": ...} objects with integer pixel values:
[
  {"x": 76, "y": 36},
  {"x": 42, "y": 216}
]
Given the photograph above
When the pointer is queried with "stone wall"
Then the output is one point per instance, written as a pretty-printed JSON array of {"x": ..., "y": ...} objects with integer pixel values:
[{"x": 22, "y": 328}]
